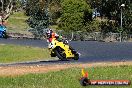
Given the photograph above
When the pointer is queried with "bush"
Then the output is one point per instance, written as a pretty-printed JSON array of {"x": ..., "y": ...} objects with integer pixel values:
[{"x": 75, "y": 13}]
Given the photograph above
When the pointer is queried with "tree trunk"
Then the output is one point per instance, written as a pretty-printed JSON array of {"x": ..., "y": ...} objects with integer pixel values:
[{"x": 6, "y": 10}]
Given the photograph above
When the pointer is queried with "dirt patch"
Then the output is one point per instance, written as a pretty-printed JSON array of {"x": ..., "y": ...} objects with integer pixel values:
[{"x": 21, "y": 70}]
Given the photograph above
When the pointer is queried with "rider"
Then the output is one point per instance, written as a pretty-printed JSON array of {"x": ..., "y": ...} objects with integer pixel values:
[{"x": 51, "y": 35}]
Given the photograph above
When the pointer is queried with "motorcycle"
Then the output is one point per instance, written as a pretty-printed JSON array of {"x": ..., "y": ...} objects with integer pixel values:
[
  {"x": 62, "y": 50},
  {"x": 3, "y": 32}
]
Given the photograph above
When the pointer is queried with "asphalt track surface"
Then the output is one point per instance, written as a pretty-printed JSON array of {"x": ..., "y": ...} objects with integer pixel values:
[{"x": 91, "y": 51}]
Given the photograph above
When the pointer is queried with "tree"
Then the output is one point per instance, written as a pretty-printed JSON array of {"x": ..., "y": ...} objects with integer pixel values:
[
  {"x": 111, "y": 9},
  {"x": 7, "y": 6},
  {"x": 127, "y": 20},
  {"x": 55, "y": 10},
  {"x": 39, "y": 18},
  {"x": 75, "y": 15},
  {"x": 92, "y": 26}
]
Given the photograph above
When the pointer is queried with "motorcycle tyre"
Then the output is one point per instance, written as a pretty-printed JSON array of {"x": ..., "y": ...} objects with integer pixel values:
[
  {"x": 76, "y": 56},
  {"x": 61, "y": 57},
  {"x": 53, "y": 54}
]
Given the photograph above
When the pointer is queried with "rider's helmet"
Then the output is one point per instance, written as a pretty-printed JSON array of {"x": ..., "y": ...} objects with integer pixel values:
[{"x": 49, "y": 32}]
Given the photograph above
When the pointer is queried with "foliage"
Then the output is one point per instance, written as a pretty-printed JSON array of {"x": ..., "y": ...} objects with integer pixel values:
[
  {"x": 127, "y": 19},
  {"x": 8, "y": 6},
  {"x": 75, "y": 14},
  {"x": 108, "y": 26},
  {"x": 39, "y": 18},
  {"x": 92, "y": 26},
  {"x": 55, "y": 11},
  {"x": 112, "y": 10}
]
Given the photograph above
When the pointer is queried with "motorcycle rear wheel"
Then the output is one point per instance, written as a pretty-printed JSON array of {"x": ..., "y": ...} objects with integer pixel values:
[
  {"x": 59, "y": 53},
  {"x": 76, "y": 56}
]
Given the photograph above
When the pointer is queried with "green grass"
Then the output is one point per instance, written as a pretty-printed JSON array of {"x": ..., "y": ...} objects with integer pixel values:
[
  {"x": 67, "y": 78},
  {"x": 16, "y": 23},
  {"x": 14, "y": 53}
]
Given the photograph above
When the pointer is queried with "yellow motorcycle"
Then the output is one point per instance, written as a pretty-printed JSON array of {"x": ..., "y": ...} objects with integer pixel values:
[{"x": 62, "y": 50}]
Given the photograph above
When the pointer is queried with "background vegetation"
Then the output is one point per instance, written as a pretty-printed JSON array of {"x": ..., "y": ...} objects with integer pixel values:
[{"x": 76, "y": 15}]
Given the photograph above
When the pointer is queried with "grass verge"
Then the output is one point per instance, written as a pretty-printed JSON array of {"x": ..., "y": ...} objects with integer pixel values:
[
  {"x": 15, "y": 53},
  {"x": 16, "y": 23},
  {"x": 68, "y": 78}
]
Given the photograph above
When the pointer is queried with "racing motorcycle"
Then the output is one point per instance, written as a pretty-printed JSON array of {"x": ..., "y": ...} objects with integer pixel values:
[
  {"x": 62, "y": 50},
  {"x": 3, "y": 32}
]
